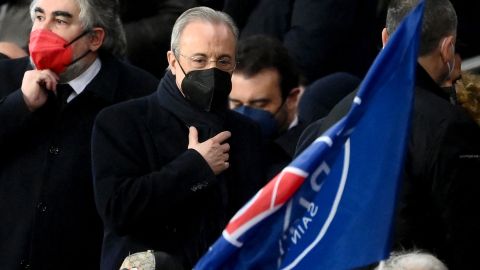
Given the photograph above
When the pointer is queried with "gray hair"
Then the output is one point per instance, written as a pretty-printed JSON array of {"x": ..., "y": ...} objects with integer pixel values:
[
  {"x": 103, "y": 14},
  {"x": 411, "y": 260},
  {"x": 199, "y": 14},
  {"x": 439, "y": 21}
]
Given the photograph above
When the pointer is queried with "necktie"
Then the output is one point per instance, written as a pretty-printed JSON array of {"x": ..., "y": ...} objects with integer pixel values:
[{"x": 63, "y": 92}]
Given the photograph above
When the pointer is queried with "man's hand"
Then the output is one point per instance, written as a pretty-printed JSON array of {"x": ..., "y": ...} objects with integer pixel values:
[
  {"x": 35, "y": 85},
  {"x": 213, "y": 150}
]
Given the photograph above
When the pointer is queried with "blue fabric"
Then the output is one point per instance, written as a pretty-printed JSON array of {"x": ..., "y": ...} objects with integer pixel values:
[
  {"x": 263, "y": 118},
  {"x": 333, "y": 206}
]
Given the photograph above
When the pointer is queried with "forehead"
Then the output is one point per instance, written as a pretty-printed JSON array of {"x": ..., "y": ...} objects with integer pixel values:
[
  {"x": 211, "y": 39},
  {"x": 54, "y": 6},
  {"x": 265, "y": 84}
]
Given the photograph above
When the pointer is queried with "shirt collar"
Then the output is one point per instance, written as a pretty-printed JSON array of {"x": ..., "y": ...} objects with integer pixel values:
[
  {"x": 80, "y": 83},
  {"x": 294, "y": 122}
]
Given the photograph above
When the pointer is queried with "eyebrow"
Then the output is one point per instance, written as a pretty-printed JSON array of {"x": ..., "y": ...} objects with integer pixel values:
[
  {"x": 55, "y": 13},
  {"x": 62, "y": 14},
  {"x": 234, "y": 100},
  {"x": 204, "y": 55},
  {"x": 224, "y": 55},
  {"x": 39, "y": 9},
  {"x": 259, "y": 100}
]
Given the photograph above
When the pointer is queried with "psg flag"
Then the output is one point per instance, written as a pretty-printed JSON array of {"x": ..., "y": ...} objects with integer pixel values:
[{"x": 333, "y": 206}]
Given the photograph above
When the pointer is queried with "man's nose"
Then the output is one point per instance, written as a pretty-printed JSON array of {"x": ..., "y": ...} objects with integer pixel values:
[{"x": 212, "y": 64}]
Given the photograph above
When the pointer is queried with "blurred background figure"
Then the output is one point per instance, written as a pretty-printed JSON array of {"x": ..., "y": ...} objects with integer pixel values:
[
  {"x": 9, "y": 50},
  {"x": 147, "y": 28},
  {"x": 319, "y": 97},
  {"x": 336, "y": 35},
  {"x": 468, "y": 94},
  {"x": 15, "y": 23},
  {"x": 322, "y": 36}
]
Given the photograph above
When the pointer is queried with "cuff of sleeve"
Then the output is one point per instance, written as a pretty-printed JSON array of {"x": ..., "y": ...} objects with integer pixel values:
[{"x": 199, "y": 172}]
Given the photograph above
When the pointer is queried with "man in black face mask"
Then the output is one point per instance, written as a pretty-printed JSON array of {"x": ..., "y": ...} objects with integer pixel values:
[
  {"x": 438, "y": 204},
  {"x": 171, "y": 168},
  {"x": 266, "y": 88}
]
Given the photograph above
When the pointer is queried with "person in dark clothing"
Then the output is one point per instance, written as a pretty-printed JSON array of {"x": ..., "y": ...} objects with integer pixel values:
[
  {"x": 46, "y": 185},
  {"x": 439, "y": 200},
  {"x": 171, "y": 168},
  {"x": 266, "y": 88},
  {"x": 323, "y": 37},
  {"x": 319, "y": 97}
]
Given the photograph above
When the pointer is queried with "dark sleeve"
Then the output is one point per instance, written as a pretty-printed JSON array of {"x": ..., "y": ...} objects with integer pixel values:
[
  {"x": 14, "y": 116},
  {"x": 129, "y": 190}
]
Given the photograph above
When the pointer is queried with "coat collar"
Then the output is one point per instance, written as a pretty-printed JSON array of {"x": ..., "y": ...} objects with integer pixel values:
[{"x": 426, "y": 82}]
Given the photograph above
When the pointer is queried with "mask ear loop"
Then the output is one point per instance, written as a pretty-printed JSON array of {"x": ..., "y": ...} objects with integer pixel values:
[
  {"x": 450, "y": 68},
  {"x": 75, "y": 39},
  {"x": 176, "y": 58}
]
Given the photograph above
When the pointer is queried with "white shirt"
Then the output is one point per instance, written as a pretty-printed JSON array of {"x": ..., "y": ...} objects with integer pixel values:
[
  {"x": 80, "y": 83},
  {"x": 294, "y": 122}
]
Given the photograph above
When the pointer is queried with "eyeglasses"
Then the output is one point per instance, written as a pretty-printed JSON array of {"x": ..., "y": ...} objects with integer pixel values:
[{"x": 200, "y": 62}]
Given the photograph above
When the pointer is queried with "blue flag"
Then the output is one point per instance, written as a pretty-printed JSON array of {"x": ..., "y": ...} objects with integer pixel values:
[{"x": 333, "y": 207}]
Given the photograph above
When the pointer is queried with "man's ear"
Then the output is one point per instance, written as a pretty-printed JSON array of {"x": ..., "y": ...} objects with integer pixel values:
[
  {"x": 384, "y": 37},
  {"x": 446, "y": 51},
  {"x": 293, "y": 98},
  {"x": 96, "y": 37},
  {"x": 171, "y": 62}
]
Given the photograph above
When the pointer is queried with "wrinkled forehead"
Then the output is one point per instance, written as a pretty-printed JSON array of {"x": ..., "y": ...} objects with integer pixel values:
[{"x": 207, "y": 37}]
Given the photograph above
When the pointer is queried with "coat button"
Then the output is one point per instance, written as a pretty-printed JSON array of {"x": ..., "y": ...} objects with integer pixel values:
[
  {"x": 25, "y": 265},
  {"x": 54, "y": 150},
  {"x": 42, "y": 207}
]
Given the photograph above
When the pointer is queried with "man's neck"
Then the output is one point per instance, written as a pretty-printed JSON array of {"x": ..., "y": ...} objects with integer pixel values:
[{"x": 432, "y": 67}]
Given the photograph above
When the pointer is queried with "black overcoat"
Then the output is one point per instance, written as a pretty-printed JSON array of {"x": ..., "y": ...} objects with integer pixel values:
[
  {"x": 155, "y": 194},
  {"x": 46, "y": 194},
  {"x": 439, "y": 200}
]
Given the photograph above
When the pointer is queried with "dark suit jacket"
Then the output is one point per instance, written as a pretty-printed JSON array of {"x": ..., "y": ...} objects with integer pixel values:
[
  {"x": 154, "y": 193},
  {"x": 45, "y": 169},
  {"x": 439, "y": 202}
]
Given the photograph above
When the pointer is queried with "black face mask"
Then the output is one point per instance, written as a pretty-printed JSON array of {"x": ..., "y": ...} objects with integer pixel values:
[{"x": 207, "y": 89}]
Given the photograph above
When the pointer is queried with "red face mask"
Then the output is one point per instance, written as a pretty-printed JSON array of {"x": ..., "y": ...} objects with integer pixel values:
[{"x": 50, "y": 51}]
